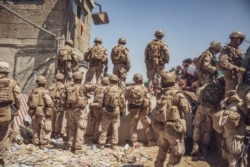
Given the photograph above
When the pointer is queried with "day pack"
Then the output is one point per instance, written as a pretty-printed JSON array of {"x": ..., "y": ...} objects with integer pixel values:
[
  {"x": 112, "y": 96},
  {"x": 199, "y": 63},
  {"x": 166, "y": 110},
  {"x": 54, "y": 92},
  {"x": 99, "y": 94},
  {"x": 36, "y": 98},
  {"x": 119, "y": 53},
  {"x": 155, "y": 49},
  {"x": 136, "y": 95},
  {"x": 64, "y": 55},
  {"x": 97, "y": 53},
  {"x": 75, "y": 97},
  {"x": 5, "y": 91}
]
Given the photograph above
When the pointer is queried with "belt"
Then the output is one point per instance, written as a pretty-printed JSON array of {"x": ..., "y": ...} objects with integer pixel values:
[
  {"x": 109, "y": 109},
  {"x": 5, "y": 104},
  {"x": 133, "y": 106}
]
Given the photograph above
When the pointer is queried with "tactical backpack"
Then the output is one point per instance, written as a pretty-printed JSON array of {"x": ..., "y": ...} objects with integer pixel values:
[
  {"x": 97, "y": 53},
  {"x": 6, "y": 94},
  {"x": 155, "y": 49},
  {"x": 36, "y": 98},
  {"x": 54, "y": 92},
  {"x": 199, "y": 63},
  {"x": 99, "y": 94},
  {"x": 212, "y": 94},
  {"x": 136, "y": 96},
  {"x": 166, "y": 110},
  {"x": 64, "y": 54},
  {"x": 75, "y": 97},
  {"x": 112, "y": 96},
  {"x": 192, "y": 99},
  {"x": 119, "y": 53}
]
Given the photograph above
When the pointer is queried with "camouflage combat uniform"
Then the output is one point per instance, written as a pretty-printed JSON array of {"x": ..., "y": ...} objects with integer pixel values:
[
  {"x": 67, "y": 62},
  {"x": 98, "y": 58},
  {"x": 210, "y": 96},
  {"x": 40, "y": 109},
  {"x": 171, "y": 126},
  {"x": 230, "y": 61},
  {"x": 96, "y": 110},
  {"x": 12, "y": 97},
  {"x": 76, "y": 102},
  {"x": 156, "y": 56},
  {"x": 206, "y": 64},
  {"x": 139, "y": 107},
  {"x": 121, "y": 60},
  {"x": 57, "y": 93},
  {"x": 113, "y": 106}
]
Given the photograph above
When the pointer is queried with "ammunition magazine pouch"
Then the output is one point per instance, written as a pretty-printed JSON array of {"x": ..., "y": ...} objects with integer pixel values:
[
  {"x": 232, "y": 119},
  {"x": 217, "y": 121}
]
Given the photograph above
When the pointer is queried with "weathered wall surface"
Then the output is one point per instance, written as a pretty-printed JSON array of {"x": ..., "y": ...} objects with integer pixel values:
[{"x": 31, "y": 51}]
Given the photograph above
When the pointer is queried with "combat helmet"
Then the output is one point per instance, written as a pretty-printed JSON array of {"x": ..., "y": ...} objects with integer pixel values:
[
  {"x": 70, "y": 42},
  {"x": 113, "y": 78},
  {"x": 168, "y": 77},
  {"x": 159, "y": 33},
  {"x": 216, "y": 45},
  {"x": 137, "y": 77},
  {"x": 77, "y": 75},
  {"x": 122, "y": 41},
  {"x": 59, "y": 76},
  {"x": 237, "y": 34},
  {"x": 41, "y": 80},
  {"x": 4, "y": 67},
  {"x": 98, "y": 39},
  {"x": 105, "y": 81}
]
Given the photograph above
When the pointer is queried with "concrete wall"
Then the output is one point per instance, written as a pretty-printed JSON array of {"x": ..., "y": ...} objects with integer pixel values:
[{"x": 31, "y": 51}]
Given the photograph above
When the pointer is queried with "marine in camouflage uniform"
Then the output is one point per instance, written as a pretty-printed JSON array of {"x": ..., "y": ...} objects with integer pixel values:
[
  {"x": 230, "y": 61},
  {"x": 6, "y": 100},
  {"x": 98, "y": 61},
  {"x": 40, "y": 110},
  {"x": 67, "y": 61},
  {"x": 139, "y": 107},
  {"x": 95, "y": 108},
  {"x": 206, "y": 64},
  {"x": 210, "y": 96},
  {"x": 121, "y": 60},
  {"x": 112, "y": 110},
  {"x": 77, "y": 113},
  {"x": 156, "y": 56},
  {"x": 237, "y": 112},
  {"x": 57, "y": 93},
  {"x": 169, "y": 121}
]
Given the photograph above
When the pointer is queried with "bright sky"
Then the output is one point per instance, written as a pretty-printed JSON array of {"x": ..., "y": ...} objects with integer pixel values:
[{"x": 189, "y": 26}]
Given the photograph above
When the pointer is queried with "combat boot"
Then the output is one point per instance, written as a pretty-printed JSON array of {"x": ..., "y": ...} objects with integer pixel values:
[
  {"x": 113, "y": 146},
  {"x": 151, "y": 143},
  {"x": 205, "y": 149},
  {"x": 195, "y": 149},
  {"x": 158, "y": 164},
  {"x": 100, "y": 146},
  {"x": 1, "y": 163}
]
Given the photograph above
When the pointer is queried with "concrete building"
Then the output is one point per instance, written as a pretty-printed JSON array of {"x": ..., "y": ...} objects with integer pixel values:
[{"x": 32, "y": 31}]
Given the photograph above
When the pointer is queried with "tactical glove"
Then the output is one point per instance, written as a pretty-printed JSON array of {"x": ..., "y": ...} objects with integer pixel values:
[{"x": 106, "y": 69}]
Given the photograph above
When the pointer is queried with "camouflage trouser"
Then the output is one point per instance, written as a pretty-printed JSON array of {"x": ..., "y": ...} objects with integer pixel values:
[
  {"x": 121, "y": 72},
  {"x": 66, "y": 128},
  {"x": 4, "y": 138},
  {"x": 234, "y": 140},
  {"x": 77, "y": 122},
  {"x": 231, "y": 80},
  {"x": 41, "y": 128},
  {"x": 203, "y": 124},
  {"x": 97, "y": 70},
  {"x": 172, "y": 143},
  {"x": 135, "y": 116},
  {"x": 107, "y": 119},
  {"x": 66, "y": 69},
  {"x": 96, "y": 113},
  {"x": 151, "y": 75},
  {"x": 57, "y": 121}
]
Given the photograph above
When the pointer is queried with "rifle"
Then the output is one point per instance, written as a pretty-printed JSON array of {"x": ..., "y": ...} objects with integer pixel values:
[{"x": 242, "y": 161}]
